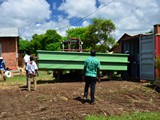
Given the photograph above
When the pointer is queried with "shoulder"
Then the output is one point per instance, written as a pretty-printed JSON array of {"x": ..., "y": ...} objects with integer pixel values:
[
  {"x": 96, "y": 60},
  {"x": 34, "y": 63},
  {"x": 88, "y": 59}
]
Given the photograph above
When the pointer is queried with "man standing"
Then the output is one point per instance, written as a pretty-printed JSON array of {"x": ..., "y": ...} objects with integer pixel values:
[
  {"x": 91, "y": 72},
  {"x": 26, "y": 59},
  {"x": 32, "y": 72},
  {"x": 2, "y": 68}
]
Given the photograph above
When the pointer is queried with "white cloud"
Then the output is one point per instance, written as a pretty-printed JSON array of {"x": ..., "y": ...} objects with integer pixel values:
[
  {"x": 79, "y": 8},
  {"x": 132, "y": 17},
  {"x": 41, "y": 28},
  {"x": 23, "y": 13},
  {"x": 128, "y": 16},
  {"x": 85, "y": 23}
]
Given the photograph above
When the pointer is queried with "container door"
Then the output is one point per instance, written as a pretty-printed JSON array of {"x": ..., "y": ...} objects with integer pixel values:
[{"x": 147, "y": 57}]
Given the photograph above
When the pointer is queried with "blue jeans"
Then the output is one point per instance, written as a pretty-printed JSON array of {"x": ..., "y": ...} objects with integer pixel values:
[{"x": 90, "y": 82}]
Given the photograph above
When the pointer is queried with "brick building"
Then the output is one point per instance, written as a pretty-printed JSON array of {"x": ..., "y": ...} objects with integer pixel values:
[{"x": 9, "y": 46}]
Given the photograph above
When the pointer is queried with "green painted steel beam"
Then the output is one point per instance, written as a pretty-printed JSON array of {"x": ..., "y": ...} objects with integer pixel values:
[{"x": 51, "y": 60}]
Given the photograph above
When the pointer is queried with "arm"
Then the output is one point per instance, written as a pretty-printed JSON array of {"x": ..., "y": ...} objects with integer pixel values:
[
  {"x": 83, "y": 75},
  {"x": 84, "y": 70},
  {"x": 37, "y": 72},
  {"x": 27, "y": 72},
  {"x": 4, "y": 64},
  {"x": 98, "y": 74},
  {"x": 36, "y": 69},
  {"x": 98, "y": 71}
]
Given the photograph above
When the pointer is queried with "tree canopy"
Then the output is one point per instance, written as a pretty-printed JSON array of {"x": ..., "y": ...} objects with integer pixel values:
[
  {"x": 99, "y": 35},
  {"x": 51, "y": 40},
  {"x": 95, "y": 36}
]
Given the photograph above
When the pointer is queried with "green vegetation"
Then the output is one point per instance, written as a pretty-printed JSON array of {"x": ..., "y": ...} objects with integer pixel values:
[
  {"x": 133, "y": 116},
  {"x": 21, "y": 80},
  {"x": 158, "y": 65},
  {"x": 97, "y": 35}
]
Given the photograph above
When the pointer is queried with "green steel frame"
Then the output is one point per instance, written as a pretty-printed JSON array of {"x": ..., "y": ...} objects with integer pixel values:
[{"x": 58, "y": 60}]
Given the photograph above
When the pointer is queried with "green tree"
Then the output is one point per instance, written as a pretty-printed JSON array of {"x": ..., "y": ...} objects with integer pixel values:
[
  {"x": 24, "y": 45},
  {"x": 37, "y": 43},
  {"x": 51, "y": 40},
  {"x": 158, "y": 65},
  {"x": 54, "y": 46},
  {"x": 97, "y": 35},
  {"x": 99, "y": 32},
  {"x": 78, "y": 33}
]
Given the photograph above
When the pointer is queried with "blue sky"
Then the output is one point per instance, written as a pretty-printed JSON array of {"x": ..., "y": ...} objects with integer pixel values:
[{"x": 37, "y": 16}]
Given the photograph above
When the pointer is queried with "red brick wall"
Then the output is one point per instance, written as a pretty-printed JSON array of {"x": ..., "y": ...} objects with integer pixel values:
[
  {"x": 157, "y": 45},
  {"x": 9, "y": 51},
  {"x": 157, "y": 29},
  {"x": 157, "y": 51}
]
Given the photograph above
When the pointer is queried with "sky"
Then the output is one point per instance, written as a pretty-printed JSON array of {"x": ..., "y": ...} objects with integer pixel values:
[{"x": 36, "y": 16}]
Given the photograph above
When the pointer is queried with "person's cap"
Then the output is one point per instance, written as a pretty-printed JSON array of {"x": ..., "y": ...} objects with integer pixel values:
[{"x": 1, "y": 57}]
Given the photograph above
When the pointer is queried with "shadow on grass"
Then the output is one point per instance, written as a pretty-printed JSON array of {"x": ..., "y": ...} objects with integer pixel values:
[
  {"x": 154, "y": 87},
  {"x": 23, "y": 88}
]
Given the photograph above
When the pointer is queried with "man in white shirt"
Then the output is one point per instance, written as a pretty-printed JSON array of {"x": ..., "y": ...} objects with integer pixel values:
[
  {"x": 32, "y": 72},
  {"x": 26, "y": 59}
]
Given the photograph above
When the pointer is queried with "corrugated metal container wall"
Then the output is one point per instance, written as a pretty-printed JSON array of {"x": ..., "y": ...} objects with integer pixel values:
[
  {"x": 147, "y": 57},
  {"x": 157, "y": 49}
]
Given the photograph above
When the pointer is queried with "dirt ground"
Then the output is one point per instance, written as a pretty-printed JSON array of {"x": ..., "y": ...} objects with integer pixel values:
[{"x": 63, "y": 101}]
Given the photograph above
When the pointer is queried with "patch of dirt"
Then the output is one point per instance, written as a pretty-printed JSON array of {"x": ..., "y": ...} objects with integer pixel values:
[{"x": 63, "y": 101}]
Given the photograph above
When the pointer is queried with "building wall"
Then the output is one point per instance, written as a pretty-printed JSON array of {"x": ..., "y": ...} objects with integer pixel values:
[
  {"x": 118, "y": 48},
  {"x": 157, "y": 29},
  {"x": 157, "y": 45},
  {"x": 9, "y": 51},
  {"x": 157, "y": 51}
]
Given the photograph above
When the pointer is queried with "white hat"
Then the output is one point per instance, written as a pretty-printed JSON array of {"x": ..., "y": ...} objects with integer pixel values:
[{"x": 1, "y": 57}]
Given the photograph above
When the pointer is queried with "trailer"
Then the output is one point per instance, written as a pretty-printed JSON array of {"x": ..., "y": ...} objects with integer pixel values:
[{"x": 60, "y": 61}]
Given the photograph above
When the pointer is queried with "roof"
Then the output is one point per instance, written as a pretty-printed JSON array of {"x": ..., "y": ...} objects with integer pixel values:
[{"x": 9, "y": 32}]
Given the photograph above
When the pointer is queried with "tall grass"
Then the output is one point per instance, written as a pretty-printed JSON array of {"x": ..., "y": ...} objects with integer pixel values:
[{"x": 133, "y": 116}]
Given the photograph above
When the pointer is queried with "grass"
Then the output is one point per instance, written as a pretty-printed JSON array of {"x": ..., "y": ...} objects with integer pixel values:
[
  {"x": 133, "y": 116},
  {"x": 21, "y": 80}
]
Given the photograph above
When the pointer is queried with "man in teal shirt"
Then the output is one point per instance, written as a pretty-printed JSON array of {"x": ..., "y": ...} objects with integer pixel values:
[{"x": 91, "y": 73}]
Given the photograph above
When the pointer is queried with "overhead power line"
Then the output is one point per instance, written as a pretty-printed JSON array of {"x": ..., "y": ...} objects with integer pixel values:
[{"x": 87, "y": 15}]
